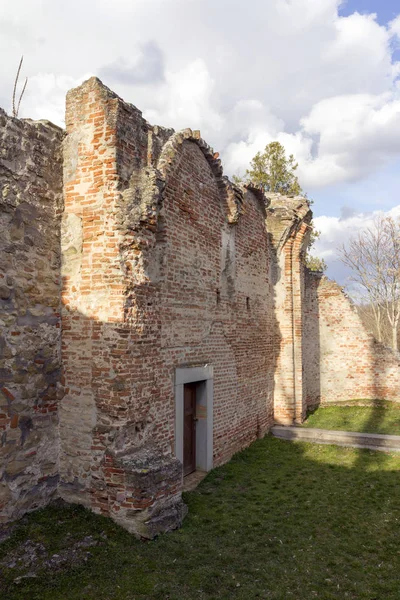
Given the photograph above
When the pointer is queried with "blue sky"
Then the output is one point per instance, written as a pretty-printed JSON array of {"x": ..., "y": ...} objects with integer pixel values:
[
  {"x": 352, "y": 203},
  {"x": 320, "y": 76},
  {"x": 379, "y": 191},
  {"x": 386, "y": 10}
]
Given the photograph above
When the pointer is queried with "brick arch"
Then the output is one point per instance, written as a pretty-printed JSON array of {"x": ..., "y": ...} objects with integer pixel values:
[{"x": 231, "y": 195}]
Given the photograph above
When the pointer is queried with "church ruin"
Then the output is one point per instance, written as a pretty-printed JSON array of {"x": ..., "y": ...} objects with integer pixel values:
[{"x": 154, "y": 317}]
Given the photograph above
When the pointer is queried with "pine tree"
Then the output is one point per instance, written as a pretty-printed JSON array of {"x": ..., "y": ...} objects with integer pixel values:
[{"x": 272, "y": 171}]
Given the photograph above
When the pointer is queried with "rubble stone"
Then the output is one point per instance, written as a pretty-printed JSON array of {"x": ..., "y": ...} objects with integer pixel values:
[{"x": 30, "y": 334}]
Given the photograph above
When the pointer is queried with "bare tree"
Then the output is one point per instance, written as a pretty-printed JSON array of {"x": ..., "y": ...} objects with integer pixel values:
[
  {"x": 15, "y": 107},
  {"x": 366, "y": 314},
  {"x": 374, "y": 259}
]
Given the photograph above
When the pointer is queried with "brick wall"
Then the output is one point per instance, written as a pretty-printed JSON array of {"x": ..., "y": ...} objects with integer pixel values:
[
  {"x": 165, "y": 264},
  {"x": 216, "y": 300},
  {"x": 342, "y": 361},
  {"x": 30, "y": 213},
  {"x": 111, "y": 326},
  {"x": 288, "y": 225}
]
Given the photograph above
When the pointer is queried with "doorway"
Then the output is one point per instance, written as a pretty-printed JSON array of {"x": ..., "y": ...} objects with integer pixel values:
[
  {"x": 189, "y": 429},
  {"x": 194, "y": 418}
]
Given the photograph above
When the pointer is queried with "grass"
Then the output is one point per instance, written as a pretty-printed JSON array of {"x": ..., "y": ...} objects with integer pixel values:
[
  {"x": 279, "y": 521},
  {"x": 378, "y": 417}
]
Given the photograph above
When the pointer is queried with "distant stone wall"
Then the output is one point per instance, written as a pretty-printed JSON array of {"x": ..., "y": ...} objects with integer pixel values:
[
  {"x": 342, "y": 360},
  {"x": 30, "y": 361}
]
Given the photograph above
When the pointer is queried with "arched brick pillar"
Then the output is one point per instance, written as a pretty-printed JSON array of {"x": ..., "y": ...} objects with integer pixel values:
[{"x": 288, "y": 224}]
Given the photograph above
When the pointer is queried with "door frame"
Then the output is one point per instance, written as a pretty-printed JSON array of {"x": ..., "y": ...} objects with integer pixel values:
[{"x": 204, "y": 377}]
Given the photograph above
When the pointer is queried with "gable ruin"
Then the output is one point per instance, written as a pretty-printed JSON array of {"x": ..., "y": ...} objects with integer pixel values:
[{"x": 154, "y": 317}]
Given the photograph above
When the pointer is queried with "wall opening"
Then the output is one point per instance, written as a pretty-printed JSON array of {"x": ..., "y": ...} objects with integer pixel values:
[
  {"x": 189, "y": 427},
  {"x": 194, "y": 418}
]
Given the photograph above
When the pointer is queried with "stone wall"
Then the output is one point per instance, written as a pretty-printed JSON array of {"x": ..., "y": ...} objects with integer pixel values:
[
  {"x": 30, "y": 213},
  {"x": 343, "y": 361}
]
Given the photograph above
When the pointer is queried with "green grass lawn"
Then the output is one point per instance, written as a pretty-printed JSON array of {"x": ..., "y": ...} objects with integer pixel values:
[
  {"x": 379, "y": 417},
  {"x": 279, "y": 521}
]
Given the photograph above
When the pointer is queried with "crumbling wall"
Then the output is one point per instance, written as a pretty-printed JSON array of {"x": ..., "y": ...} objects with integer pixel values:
[
  {"x": 30, "y": 362},
  {"x": 311, "y": 341},
  {"x": 253, "y": 333},
  {"x": 215, "y": 295},
  {"x": 342, "y": 360},
  {"x": 166, "y": 265},
  {"x": 111, "y": 459},
  {"x": 288, "y": 225}
]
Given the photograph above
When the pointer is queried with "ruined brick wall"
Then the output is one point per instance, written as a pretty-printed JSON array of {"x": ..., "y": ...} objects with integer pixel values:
[
  {"x": 216, "y": 298},
  {"x": 288, "y": 225},
  {"x": 312, "y": 346},
  {"x": 30, "y": 213},
  {"x": 343, "y": 361},
  {"x": 110, "y": 318},
  {"x": 165, "y": 265},
  {"x": 253, "y": 333}
]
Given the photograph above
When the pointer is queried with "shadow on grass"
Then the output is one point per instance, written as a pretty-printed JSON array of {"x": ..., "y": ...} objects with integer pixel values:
[{"x": 279, "y": 521}]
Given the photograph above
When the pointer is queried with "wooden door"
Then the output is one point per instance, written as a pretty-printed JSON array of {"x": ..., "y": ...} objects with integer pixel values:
[{"x": 189, "y": 429}]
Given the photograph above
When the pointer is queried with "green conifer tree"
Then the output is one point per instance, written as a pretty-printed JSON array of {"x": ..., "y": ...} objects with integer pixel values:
[{"x": 272, "y": 171}]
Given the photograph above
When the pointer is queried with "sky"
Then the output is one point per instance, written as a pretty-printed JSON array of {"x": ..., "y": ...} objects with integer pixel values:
[{"x": 320, "y": 76}]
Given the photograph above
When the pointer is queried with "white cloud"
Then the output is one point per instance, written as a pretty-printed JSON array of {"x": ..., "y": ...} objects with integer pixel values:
[
  {"x": 145, "y": 67},
  {"x": 44, "y": 95},
  {"x": 394, "y": 27},
  {"x": 343, "y": 138},
  {"x": 293, "y": 70},
  {"x": 355, "y": 135},
  {"x": 186, "y": 100}
]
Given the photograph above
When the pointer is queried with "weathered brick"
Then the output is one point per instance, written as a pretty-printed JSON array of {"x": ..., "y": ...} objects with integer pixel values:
[
  {"x": 165, "y": 264},
  {"x": 344, "y": 361}
]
